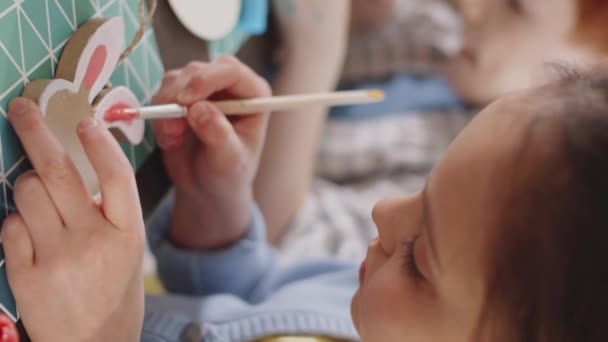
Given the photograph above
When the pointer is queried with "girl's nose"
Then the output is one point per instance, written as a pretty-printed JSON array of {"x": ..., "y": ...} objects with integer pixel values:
[
  {"x": 397, "y": 219},
  {"x": 388, "y": 217}
]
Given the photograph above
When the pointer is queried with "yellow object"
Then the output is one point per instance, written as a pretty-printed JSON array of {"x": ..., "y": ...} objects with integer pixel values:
[
  {"x": 152, "y": 285},
  {"x": 376, "y": 94},
  {"x": 299, "y": 339}
]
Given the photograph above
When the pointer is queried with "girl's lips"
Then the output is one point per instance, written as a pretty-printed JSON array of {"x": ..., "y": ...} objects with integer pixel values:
[
  {"x": 362, "y": 272},
  {"x": 469, "y": 55}
]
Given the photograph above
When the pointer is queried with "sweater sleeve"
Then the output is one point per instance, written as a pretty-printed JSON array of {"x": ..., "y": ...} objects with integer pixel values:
[
  {"x": 236, "y": 270},
  {"x": 249, "y": 269}
]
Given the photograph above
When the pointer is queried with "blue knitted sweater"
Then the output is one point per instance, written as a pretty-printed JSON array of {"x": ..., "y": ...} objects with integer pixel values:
[{"x": 243, "y": 293}]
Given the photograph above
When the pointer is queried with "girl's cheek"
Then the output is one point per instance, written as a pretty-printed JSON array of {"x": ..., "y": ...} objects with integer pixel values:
[
  {"x": 389, "y": 301},
  {"x": 380, "y": 293},
  {"x": 423, "y": 258}
]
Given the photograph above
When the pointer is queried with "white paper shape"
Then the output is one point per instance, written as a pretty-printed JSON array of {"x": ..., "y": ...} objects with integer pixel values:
[{"x": 208, "y": 19}]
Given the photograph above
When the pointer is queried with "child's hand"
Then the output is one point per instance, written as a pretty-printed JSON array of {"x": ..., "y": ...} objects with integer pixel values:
[
  {"x": 212, "y": 160},
  {"x": 74, "y": 266}
]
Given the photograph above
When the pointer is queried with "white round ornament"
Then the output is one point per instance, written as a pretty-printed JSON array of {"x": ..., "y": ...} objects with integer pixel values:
[{"x": 208, "y": 19}]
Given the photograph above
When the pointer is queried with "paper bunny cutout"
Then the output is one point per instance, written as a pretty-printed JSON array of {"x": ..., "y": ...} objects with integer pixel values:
[{"x": 79, "y": 90}]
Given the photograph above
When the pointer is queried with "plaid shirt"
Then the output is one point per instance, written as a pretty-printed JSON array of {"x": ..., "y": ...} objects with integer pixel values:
[
  {"x": 360, "y": 163},
  {"x": 419, "y": 38}
]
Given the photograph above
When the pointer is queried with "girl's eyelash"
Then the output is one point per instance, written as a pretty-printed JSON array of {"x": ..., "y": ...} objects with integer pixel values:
[
  {"x": 516, "y": 6},
  {"x": 409, "y": 260}
]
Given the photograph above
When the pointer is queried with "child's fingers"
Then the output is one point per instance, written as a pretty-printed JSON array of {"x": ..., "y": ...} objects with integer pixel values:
[
  {"x": 252, "y": 128},
  {"x": 17, "y": 244},
  {"x": 216, "y": 133},
  {"x": 53, "y": 165},
  {"x": 173, "y": 82},
  {"x": 38, "y": 211},
  {"x": 177, "y": 152},
  {"x": 116, "y": 178},
  {"x": 169, "y": 133},
  {"x": 224, "y": 74}
]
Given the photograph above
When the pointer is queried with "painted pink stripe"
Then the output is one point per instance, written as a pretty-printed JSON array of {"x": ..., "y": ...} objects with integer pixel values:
[{"x": 96, "y": 64}]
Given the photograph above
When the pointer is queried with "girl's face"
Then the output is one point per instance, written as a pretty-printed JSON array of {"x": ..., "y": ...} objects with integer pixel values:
[
  {"x": 507, "y": 43},
  {"x": 423, "y": 276}
]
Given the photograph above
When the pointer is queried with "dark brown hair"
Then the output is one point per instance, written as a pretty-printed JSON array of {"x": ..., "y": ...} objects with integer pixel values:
[
  {"x": 548, "y": 278},
  {"x": 592, "y": 24}
]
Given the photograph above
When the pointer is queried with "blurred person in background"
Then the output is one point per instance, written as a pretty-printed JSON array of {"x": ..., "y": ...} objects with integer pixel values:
[
  {"x": 508, "y": 42},
  {"x": 301, "y": 52}
]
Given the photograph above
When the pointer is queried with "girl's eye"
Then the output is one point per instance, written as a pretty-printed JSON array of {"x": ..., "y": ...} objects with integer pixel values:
[
  {"x": 516, "y": 6},
  {"x": 409, "y": 260}
]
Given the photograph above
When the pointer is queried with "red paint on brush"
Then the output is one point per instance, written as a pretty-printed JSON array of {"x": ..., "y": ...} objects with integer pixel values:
[{"x": 115, "y": 113}]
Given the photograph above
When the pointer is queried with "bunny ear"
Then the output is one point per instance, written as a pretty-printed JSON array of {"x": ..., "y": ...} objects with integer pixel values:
[
  {"x": 95, "y": 67},
  {"x": 92, "y": 53}
]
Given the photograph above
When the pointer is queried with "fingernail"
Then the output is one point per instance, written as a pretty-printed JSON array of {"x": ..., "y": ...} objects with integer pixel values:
[
  {"x": 18, "y": 106},
  {"x": 171, "y": 143},
  {"x": 87, "y": 124},
  {"x": 171, "y": 128},
  {"x": 201, "y": 113},
  {"x": 187, "y": 96},
  {"x": 168, "y": 143}
]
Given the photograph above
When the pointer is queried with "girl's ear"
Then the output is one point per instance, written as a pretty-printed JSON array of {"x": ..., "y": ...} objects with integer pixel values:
[{"x": 91, "y": 55}]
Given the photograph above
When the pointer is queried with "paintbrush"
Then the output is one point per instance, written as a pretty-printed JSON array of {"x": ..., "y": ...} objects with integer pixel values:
[{"x": 250, "y": 106}]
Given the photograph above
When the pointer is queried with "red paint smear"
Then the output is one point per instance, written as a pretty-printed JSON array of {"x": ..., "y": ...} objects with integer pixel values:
[
  {"x": 98, "y": 60},
  {"x": 115, "y": 113},
  {"x": 8, "y": 331}
]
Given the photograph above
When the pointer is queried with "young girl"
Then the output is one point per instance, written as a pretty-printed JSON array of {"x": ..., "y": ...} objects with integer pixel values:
[{"x": 504, "y": 242}]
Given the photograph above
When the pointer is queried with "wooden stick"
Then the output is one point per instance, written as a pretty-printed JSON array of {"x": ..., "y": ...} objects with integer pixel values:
[{"x": 256, "y": 105}]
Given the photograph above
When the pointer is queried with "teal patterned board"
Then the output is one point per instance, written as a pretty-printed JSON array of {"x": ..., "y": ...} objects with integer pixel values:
[
  {"x": 7, "y": 302},
  {"x": 32, "y": 36}
]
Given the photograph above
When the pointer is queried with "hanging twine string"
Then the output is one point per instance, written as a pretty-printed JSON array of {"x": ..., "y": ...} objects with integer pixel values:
[{"x": 144, "y": 20}]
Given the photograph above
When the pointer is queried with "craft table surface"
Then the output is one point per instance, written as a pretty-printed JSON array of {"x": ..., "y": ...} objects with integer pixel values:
[{"x": 32, "y": 36}]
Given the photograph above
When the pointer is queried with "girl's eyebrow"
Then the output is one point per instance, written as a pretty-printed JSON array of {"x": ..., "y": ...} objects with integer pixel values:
[{"x": 430, "y": 231}]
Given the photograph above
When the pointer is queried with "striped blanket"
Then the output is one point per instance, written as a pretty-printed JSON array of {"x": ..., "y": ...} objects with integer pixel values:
[
  {"x": 364, "y": 158},
  {"x": 361, "y": 162}
]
